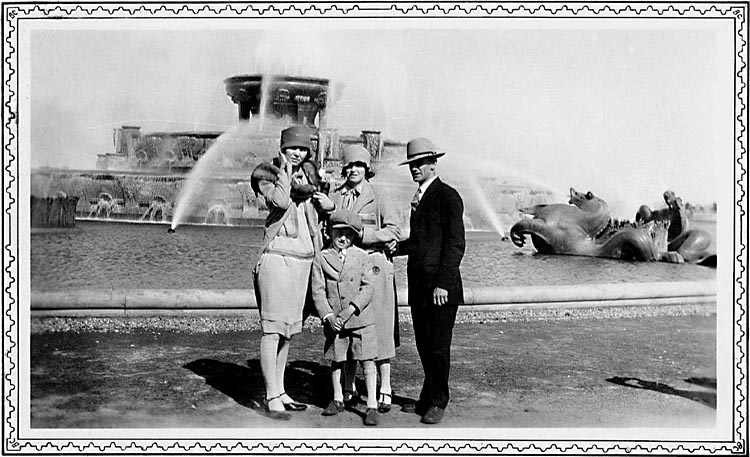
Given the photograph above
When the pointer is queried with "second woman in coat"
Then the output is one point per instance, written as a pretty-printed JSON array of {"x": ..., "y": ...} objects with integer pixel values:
[{"x": 379, "y": 238}]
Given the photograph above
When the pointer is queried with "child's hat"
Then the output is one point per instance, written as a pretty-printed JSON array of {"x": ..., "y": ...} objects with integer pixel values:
[{"x": 342, "y": 218}]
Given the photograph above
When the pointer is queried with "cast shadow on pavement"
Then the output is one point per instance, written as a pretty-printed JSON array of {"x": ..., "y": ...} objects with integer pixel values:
[
  {"x": 706, "y": 398},
  {"x": 322, "y": 387},
  {"x": 306, "y": 382}
]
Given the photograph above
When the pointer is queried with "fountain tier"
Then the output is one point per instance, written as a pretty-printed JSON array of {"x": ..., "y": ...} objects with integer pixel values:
[{"x": 293, "y": 99}]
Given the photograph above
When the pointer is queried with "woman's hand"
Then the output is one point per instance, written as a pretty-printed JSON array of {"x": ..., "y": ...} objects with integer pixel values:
[
  {"x": 323, "y": 201},
  {"x": 346, "y": 313},
  {"x": 286, "y": 166},
  {"x": 333, "y": 321}
]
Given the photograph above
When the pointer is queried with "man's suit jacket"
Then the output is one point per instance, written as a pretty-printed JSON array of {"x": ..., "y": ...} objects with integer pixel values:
[{"x": 436, "y": 245}]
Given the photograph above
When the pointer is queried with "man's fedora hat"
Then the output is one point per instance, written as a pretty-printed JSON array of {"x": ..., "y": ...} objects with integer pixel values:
[
  {"x": 296, "y": 136},
  {"x": 420, "y": 148}
]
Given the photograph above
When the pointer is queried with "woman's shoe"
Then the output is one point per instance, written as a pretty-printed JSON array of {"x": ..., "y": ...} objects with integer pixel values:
[
  {"x": 383, "y": 405},
  {"x": 293, "y": 405},
  {"x": 274, "y": 414}
]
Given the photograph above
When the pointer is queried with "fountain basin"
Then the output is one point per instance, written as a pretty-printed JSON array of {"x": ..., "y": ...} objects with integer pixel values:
[
  {"x": 294, "y": 99},
  {"x": 571, "y": 296}
]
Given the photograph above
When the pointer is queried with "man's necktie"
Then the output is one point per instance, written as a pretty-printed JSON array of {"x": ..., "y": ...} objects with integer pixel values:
[{"x": 415, "y": 200}]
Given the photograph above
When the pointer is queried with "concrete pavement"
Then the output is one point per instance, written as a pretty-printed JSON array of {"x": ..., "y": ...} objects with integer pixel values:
[{"x": 619, "y": 367}]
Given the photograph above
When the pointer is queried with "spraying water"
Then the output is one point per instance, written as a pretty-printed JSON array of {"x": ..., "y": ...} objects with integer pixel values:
[
  {"x": 265, "y": 85},
  {"x": 228, "y": 144},
  {"x": 487, "y": 209}
]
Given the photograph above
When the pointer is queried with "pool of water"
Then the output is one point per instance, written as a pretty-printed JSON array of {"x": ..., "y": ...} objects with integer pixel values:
[{"x": 106, "y": 255}]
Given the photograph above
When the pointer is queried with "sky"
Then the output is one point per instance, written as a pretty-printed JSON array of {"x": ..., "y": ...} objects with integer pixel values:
[{"x": 624, "y": 109}]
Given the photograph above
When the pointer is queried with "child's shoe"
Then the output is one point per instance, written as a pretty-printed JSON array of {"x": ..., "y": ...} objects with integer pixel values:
[
  {"x": 371, "y": 416},
  {"x": 333, "y": 408}
]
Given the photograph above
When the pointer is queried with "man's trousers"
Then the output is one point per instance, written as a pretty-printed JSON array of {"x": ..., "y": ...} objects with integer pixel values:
[{"x": 433, "y": 332}]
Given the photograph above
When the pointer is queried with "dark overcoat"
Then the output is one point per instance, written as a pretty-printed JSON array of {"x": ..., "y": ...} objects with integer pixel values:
[{"x": 435, "y": 246}]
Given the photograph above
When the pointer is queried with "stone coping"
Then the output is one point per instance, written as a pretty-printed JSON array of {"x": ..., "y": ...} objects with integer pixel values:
[{"x": 478, "y": 298}]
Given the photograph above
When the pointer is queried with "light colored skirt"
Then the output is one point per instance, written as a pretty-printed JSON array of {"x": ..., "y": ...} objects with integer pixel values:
[
  {"x": 384, "y": 303},
  {"x": 282, "y": 282}
]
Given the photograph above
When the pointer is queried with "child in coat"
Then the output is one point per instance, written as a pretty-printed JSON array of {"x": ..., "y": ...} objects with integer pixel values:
[{"x": 348, "y": 319}]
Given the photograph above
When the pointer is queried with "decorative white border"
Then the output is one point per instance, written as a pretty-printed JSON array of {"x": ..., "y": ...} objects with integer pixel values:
[{"x": 14, "y": 13}]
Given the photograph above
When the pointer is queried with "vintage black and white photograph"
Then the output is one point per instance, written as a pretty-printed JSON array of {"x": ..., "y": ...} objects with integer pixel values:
[{"x": 376, "y": 227}]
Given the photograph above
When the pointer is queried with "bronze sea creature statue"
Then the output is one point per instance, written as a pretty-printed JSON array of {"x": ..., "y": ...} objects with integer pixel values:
[
  {"x": 694, "y": 245},
  {"x": 585, "y": 227}
]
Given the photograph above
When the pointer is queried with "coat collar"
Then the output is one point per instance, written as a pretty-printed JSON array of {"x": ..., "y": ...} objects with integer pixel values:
[
  {"x": 366, "y": 195},
  {"x": 331, "y": 257}
]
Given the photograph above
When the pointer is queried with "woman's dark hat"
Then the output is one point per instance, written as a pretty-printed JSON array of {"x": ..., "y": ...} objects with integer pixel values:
[
  {"x": 296, "y": 136},
  {"x": 420, "y": 148},
  {"x": 342, "y": 218}
]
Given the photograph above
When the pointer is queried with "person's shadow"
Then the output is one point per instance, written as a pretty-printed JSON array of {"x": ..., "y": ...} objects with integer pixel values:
[
  {"x": 306, "y": 382},
  {"x": 706, "y": 398}
]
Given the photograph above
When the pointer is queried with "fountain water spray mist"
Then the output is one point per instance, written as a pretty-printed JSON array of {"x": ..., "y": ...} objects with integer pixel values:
[
  {"x": 229, "y": 143},
  {"x": 265, "y": 87},
  {"x": 487, "y": 209}
]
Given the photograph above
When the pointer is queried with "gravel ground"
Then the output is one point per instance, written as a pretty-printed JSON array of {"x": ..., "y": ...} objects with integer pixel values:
[{"x": 218, "y": 324}]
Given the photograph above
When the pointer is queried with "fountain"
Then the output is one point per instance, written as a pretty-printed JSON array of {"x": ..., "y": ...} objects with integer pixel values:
[
  {"x": 217, "y": 213},
  {"x": 293, "y": 99},
  {"x": 102, "y": 206},
  {"x": 177, "y": 177},
  {"x": 157, "y": 210}
]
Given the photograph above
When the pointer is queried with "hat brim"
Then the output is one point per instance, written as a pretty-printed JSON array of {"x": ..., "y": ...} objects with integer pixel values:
[
  {"x": 425, "y": 155},
  {"x": 347, "y": 226},
  {"x": 348, "y": 164},
  {"x": 296, "y": 144}
]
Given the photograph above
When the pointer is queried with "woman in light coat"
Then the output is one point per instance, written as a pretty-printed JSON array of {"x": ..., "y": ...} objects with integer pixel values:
[{"x": 379, "y": 237}]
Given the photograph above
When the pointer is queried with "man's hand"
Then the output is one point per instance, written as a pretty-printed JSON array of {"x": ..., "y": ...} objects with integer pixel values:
[
  {"x": 439, "y": 296},
  {"x": 391, "y": 247},
  {"x": 323, "y": 201}
]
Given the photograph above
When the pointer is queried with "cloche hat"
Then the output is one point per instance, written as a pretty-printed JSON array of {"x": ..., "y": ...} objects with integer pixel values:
[
  {"x": 420, "y": 148},
  {"x": 354, "y": 153},
  {"x": 296, "y": 136}
]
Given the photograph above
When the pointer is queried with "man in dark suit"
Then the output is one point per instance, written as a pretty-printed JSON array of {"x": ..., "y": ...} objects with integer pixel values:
[{"x": 435, "y": 248}]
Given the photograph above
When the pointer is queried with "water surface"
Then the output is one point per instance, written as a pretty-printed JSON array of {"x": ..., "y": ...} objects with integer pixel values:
[{"x": 115, "y": 255}]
